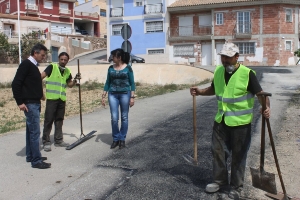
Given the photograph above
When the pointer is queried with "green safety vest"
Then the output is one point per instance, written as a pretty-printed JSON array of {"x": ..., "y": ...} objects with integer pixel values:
[
  {"x": 235, "y": 103},
  {"x": 56, "y": 84}
]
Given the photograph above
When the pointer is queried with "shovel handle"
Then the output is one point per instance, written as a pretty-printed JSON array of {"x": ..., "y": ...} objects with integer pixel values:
[
  {"x": 263, "y": 133},
  {"x": 80, "y": 109},
  {"x": 195, "y": 130},
  {"x": 275, "y": 156}
]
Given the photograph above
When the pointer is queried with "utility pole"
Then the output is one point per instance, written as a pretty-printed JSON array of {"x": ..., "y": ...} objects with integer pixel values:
[{"x": 20, "y": 59}]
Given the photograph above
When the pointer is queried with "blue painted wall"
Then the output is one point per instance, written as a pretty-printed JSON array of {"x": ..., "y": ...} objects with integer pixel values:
[{"x": 140, "y": 40}]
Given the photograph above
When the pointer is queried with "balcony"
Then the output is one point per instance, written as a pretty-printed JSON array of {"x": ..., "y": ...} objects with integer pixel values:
[
  {"x": 243, "y": 30},
  {"x": 153, "y": 10},
  {"x": 31, "y": 9},
  {"x": 64, "y": 13},
  {"x": 86, "y": 15},
  {"x": 116, "y": 14},
  {"x": 189, "y": 33}
]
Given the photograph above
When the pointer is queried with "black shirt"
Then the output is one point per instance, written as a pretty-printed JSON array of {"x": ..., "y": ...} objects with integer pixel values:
[
  {"x": 27, "y": 84},
  {"x": 253, "y": 84},
  {"x": 48, "y": 71}
]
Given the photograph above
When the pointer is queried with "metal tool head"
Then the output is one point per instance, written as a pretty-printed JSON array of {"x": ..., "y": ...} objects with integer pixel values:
[
  {"x": 263, "y": 180},
  {"x": 190, "y": 159}
]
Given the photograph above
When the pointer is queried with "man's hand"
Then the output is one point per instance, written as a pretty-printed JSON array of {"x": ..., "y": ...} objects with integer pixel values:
[
  {"x": 194, "y": 91},
  {"x": 267, "y": 112},
  {"x": 78, "y": 76},
  {"x": 23, "y": 107},
  {"x": 43, "y": 97}
]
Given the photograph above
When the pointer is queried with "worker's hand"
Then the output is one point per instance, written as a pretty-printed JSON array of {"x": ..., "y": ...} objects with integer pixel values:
[
  {"x": 23, "y": 107},
  {"x": 194, "y": 91},
  {"x": 267, "y": 112},
  {"x": 78, "y": 76},
  {"x": 131, "y": 103}
]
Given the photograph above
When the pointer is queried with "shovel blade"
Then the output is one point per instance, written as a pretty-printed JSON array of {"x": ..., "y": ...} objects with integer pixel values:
[
  {"x": 190, "y": 159},
  {"x": 263, "y": 180}
]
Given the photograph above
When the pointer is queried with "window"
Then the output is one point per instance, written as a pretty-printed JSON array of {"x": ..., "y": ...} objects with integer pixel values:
[
  {"x": 138, "y": 3},
  {"x": 219, "y": 18},
  {"x": 243, "y": 22},
  {"x": 288, "y": 45},
  {"x": 183, "y": 50},
  {"x": 64, "y": 6},
  {"x": 116, "y": 29},
  {"x": 246, "y": 47},
  {"x": 48, "y": 4},
  {"x": 152, "y": 27},
  {"x": 103, "y": 13},
  {"x": 156, "y": 51},
  {"x": 288, "y": 15},
  {"x": 32, "y": 2}
]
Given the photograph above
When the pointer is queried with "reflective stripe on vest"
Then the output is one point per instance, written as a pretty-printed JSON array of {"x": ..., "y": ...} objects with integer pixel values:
[
  {"x": 234, "y": 100},
  {"x": 56, "y": 83},
  {"x": 235, "y": 103}
]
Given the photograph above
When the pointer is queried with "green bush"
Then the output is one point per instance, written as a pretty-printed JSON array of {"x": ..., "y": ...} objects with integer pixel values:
[{"x": 297, "y": 53}]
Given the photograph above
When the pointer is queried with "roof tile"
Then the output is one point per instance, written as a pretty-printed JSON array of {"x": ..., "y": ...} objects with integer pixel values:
[{"x": 184, "y": 3}]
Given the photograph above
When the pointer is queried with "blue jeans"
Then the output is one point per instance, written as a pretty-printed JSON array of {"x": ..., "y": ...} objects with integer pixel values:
[
  {"x": 33, "y": 153},
  {"x": 226, "y": 140},
  {"x": 115, "y": 100}
]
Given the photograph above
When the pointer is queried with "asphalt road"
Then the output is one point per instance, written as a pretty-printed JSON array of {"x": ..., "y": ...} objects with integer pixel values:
[
  {"x": 152, "y": 165},
  {"x": 90, "y": 59}
]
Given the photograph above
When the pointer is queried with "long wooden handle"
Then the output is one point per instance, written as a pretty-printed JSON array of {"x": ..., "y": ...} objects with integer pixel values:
[
  {"x": 195, "y": 130},
  {"x": 275, "y": 156},
  {"x": 263, "y": 131},
  {"x": 80, "y": 110}
]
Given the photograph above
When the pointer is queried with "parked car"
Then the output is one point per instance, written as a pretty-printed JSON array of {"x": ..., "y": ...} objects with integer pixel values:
[
  {"x": 81, "y": 32},
  {"x": 134, "y": 59}
]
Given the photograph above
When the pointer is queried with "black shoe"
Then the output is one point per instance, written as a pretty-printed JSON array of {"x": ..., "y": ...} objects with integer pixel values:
[
  {"x": 122, "y": 144},
  {"x": 42, "y": 158},
  {"x": 42, "y": 165},
  {"x": 114, "y": 144}
]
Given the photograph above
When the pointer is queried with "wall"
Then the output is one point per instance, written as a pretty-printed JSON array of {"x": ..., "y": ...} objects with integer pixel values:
[{"x": 269, "y": 33}]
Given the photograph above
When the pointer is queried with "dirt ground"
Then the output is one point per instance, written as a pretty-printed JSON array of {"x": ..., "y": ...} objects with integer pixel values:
[
  {"x": 11, "y": 116},
  {"x": 287, "y": 145}
]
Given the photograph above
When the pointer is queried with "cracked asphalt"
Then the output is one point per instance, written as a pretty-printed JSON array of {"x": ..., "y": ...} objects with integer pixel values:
[{"x": 152, "y": 165}]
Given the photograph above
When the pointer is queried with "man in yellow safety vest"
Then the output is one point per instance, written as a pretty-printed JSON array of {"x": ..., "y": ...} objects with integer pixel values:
[
  {"x": 58, "y": 78},
  {"x": 234, "y": 86}
]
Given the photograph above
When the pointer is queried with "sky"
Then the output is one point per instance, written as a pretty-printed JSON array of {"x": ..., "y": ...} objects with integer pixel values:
[{"x": 80, "y": 1}]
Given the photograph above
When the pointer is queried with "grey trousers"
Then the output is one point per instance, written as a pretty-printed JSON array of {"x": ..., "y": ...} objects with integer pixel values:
[
  {"x": 55, "y": 112},
  {"x": 226, "y": 140}
]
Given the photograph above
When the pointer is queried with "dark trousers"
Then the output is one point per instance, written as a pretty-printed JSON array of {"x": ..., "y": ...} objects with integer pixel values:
[
  {"x": 226, "y": 140},
  {"x": 55, "y": 112}
]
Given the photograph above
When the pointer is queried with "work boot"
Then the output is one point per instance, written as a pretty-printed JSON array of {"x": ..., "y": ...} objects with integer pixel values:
[
  {"x": 212, "y": 188},
  {"x": 234, "y": 193},
  {"x": 62, "y": 144},
  {"x": 47, "y": 146}
]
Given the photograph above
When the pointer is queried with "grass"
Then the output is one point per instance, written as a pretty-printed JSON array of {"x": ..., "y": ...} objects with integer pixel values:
[
  {"x": 5, "y": 85},
  {"x": 147, "y": 90},
  {"x": 91, "y": 99}
]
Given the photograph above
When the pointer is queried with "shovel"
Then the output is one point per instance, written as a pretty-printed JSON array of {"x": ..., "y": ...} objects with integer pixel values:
[
  {"x": 189, "y": 158},
  {"x": 260, "y": 178}
]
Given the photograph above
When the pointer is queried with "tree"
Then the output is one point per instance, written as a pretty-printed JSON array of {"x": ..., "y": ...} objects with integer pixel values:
[
  {"x": 4, "y": 47},
  {"x": 297, "y": 53},
  {"x": 27, "y": 42}
]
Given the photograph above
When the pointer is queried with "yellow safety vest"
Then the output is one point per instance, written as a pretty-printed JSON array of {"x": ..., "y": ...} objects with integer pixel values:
[
  {"x": 235, "y": 103},
  {"x": 56, "y": 84}
]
